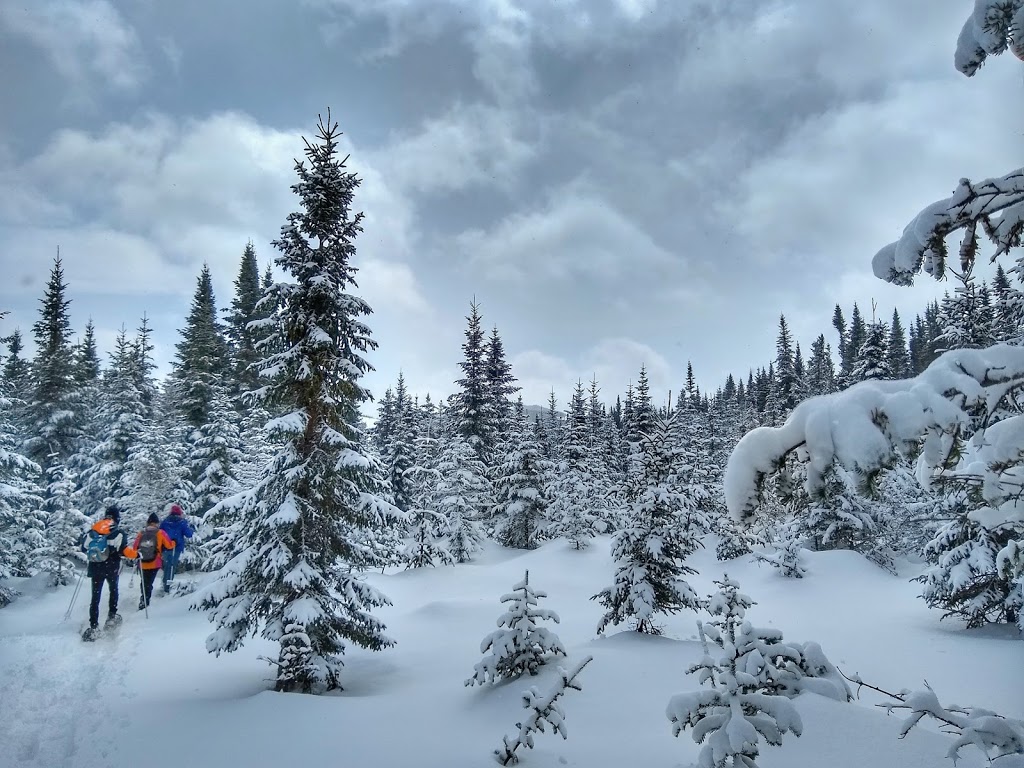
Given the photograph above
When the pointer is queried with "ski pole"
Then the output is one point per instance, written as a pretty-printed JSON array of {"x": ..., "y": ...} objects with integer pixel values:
[{"x": 74, "y": 597}]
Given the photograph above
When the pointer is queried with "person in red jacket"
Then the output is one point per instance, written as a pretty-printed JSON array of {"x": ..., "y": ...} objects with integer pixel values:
[{"x": 148, "y": 546}]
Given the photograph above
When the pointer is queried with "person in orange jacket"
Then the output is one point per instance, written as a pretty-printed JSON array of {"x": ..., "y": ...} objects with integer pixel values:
[{"x": 148, "y": 546}]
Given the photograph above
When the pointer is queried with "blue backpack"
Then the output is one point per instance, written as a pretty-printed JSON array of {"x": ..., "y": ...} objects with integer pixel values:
[{"x": 96, "y": 549}]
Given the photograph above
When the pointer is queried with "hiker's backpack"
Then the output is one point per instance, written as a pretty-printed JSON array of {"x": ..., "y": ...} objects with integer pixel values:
[
  {"x": 147, "y": 544},
  {"x": 96, "y": 549}
]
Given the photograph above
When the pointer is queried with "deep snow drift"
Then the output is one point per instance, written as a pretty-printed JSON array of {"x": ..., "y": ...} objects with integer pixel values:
[{"x": 151, "y": 696}]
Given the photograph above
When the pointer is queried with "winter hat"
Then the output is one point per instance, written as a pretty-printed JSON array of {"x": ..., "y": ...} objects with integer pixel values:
[
  {"x": 153, "y": 518},
  {"x": 113, "y": 513},
  {"x": 176, "y": 510}
]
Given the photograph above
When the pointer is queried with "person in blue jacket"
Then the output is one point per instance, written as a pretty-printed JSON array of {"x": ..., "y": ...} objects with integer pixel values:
[{"x": 177, "y": 529}]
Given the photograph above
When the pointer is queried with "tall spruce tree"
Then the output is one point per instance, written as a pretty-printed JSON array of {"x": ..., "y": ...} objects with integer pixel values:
[
  {"x": 785, "y": 381},
  {"x": 898, "y": 354},
  {"x": 650, "y": 551},
  {"x": 53, "y": 426},
  {"x": 121, "y": 420},
  {"x": 310, "y": 522},
  {"x": 241, "y": 337},
  {"x": 474, "y": 401},
  {"x": 500, "y": 385},
  {"x": 873, "y": 355},
  {"x": 87, "y": 358},
  {"x": 202, "y": 355},
  {"x": 821, "y": 372},
  {"x": 520, "y": 501}
]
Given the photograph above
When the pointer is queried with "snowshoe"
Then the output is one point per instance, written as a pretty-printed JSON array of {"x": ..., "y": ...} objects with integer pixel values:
[
  {"x": 90, "y": 634},
  {"x": 113, "y": 621}
]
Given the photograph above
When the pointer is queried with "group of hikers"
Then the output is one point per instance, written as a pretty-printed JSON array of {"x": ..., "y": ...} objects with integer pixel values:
[{"x": 157, "y": 547}]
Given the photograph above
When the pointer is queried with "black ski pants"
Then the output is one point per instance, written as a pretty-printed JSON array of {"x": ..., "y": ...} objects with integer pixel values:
[
  {"x": 110, "y": 577},
  {"x": 148, "y": 577}
]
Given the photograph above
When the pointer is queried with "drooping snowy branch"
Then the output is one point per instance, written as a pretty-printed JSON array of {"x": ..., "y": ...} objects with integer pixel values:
[
  {"x": 543, "y": 710},
  {"x": 993, "y": 27},
  {"x": 864, "y": 427},
  {"x": 997, "y": 737}
]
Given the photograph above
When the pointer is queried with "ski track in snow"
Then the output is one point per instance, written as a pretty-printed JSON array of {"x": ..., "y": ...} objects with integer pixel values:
[{"x": 59, "y": 685}]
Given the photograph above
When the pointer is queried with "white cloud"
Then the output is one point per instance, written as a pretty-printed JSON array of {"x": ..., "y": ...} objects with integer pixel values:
[
  {"x": 856, "y": 175},
  {"x": 615, "y": 362},
  {"x": 87, "y": 41},
  {"x": 467, "y": 146},
  {"x": 576, "y": 236}
]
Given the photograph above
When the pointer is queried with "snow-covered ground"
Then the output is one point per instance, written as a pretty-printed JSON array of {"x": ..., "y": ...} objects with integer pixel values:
[{"x": 151, "y": 696}]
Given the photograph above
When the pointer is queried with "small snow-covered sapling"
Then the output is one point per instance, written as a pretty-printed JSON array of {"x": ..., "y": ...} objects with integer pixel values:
[
  {"x": 543, "y": 709},
  {"x": 519, "y": 645},
  {"x": 751, "y": 682}
]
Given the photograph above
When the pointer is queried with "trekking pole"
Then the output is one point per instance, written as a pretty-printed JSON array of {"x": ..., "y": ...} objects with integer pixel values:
[{"x": 74, "y": 597}]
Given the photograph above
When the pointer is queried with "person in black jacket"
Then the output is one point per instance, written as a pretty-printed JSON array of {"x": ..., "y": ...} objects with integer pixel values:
[{"x": 107, "y": 570}]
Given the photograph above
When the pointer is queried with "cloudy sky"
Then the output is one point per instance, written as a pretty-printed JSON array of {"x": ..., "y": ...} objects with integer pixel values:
[{"x": 618, "y": 182}]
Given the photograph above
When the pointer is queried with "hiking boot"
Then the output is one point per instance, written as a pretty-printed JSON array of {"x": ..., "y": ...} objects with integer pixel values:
[{"x": 142, "y": 603}]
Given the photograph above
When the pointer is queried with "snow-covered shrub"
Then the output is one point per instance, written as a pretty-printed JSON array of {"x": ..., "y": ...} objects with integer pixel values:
[
  {"x": 736, "y": 713},
  {"x": 543, "y": 710},
  {"x": 731, "y": 543},
  {"x": 787, "y": 557},
  {"x": 519, "y": 645},
  {"x": 755, "y": 675}
]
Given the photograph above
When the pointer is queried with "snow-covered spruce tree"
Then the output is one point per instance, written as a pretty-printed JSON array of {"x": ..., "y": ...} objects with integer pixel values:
[
  {"x": 293, "y": 574},
  {"x": 398, "y": 453},
  {"x": 649, "y": 552},
  {"x": 473, "y": 403},
  {"x": 739, "y": 710},
  {"x": 500, "y": 386},
  {"x": 53, "y": 427},
  {"x": 65, "y": 523},
  {"x": 520, "y": 501},
  {"x": 156, "y": 472},
  {"x": 838, "y": 517},
  {"x": 731, "y": 542},
  {"x": 201, "y": 362},
  {"x": 20, "y": 537},
  {"x": 569, "y": 488},
  {"x": 520, "y": 645},
  {"x": 463, "y": 494},
  {"x": 217, "y": 451},
  {"x": 873, "y": 355},
  {"x": 426, "y": 523},
  {"x": 121, "y": 417},
  {"x": 966, "y": 319},
  {"x": 241, "y": 338},
  {"x": 544, "y": 710}
]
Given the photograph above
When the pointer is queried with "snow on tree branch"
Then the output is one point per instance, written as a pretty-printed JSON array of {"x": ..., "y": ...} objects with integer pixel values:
[
  {"x": 992, "y": 27},
  {"x": 997, "y": 737},
  {"x": 543, "y": 709},
  {"x": 864, "y": 427},
  {"x": 996, "y": 205}
]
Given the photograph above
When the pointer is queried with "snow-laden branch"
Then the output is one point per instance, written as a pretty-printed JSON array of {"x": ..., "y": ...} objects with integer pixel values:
[
  {"x": 996, "y": 205},
  {"x": 864, "y": 427},
  {"x": 992, "y": 27}
]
